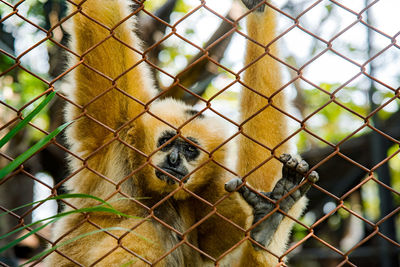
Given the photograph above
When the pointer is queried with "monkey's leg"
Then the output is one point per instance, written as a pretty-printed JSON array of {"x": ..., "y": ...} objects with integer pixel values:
[{"x": 292, "y": 175}]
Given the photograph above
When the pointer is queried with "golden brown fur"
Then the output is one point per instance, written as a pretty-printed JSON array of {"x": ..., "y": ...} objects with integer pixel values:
[{"x": 115, "y": 155}]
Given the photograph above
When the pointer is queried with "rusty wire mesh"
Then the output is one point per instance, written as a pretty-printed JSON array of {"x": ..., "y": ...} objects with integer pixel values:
[{"x": 379, "y": 243}]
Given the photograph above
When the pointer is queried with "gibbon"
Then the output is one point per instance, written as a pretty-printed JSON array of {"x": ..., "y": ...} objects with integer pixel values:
[{"x": 162, "y": 162}]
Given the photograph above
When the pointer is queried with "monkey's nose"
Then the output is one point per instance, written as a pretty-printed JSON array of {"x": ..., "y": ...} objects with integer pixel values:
[{"x": 174, "y": 158}]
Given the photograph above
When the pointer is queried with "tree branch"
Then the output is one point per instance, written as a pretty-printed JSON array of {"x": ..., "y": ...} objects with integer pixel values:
[{"x": 200, "y": 71}]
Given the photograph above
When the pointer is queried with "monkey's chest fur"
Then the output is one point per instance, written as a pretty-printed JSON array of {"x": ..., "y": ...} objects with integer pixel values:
[{"x": 173, "y": 221}]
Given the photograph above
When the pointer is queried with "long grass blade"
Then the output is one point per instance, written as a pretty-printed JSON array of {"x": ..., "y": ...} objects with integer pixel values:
[
  {"x": 63, "y": 214},
  {"x": 38, "y": 256},
  {"x": 26, "y": 120},
  {"x": 32, "y": 150},
  {"x": 129, "y": 263},
  {"x": 63, "y": 196},
  {"x": 16, "y": 241}
]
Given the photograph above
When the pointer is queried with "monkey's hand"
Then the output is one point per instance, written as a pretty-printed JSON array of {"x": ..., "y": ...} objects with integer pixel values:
[
  {"x": 250, "y": 4},
  {"x": 264, "y": 209}
]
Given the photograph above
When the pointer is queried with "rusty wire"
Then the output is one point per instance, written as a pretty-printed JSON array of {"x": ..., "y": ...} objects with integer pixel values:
[{"x": 345, "y": 257}]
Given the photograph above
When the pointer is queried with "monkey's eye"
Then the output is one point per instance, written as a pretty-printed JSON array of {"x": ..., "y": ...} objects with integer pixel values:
[
  {"x": 191, "y": 152},
  {"x": 191, "y": 148},
  {"x": 164, "y": 139}
]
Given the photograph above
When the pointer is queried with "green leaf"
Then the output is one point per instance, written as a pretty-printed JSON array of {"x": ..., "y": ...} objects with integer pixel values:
[
  {"x": 16, "y": 241},
  {"x": 55, "y": 218},
  {"x": 38, "y": 256},
  {"x": 64, "y": 196},
  {"x": 26, "y": 120},
  {"x": 329, "y": 8},
  {"x": 129, "y": 263},
  {"x": 63, "y": 214},
  {"x": 32, "y": 150}
]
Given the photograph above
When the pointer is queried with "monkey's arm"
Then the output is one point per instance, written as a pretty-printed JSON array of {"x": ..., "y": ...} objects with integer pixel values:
[
  {"x": 261, "y": 105},
  {"x": 110, "y": 83},
  {"x": 259, "y": 99}
]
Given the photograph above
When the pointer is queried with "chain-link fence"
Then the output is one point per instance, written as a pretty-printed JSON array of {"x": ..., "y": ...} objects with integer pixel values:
[{"x": 346, "y": 127}]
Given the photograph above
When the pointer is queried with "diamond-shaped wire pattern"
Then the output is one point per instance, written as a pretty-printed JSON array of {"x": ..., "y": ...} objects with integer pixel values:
[{"x": 353, "y": 217}]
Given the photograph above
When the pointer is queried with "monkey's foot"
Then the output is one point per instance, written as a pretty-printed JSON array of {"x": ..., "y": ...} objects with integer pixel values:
[
  {"x": 250, "y": 4},
  {"x": 292, "y": 175}
]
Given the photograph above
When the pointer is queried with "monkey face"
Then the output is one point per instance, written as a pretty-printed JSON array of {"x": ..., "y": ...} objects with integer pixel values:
[
  {"x": 182, "y": 146},
  {"x": 175, "y": 157}
]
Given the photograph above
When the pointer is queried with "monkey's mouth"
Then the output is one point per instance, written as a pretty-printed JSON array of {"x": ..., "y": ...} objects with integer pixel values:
[{"x": 174, "y": 172}]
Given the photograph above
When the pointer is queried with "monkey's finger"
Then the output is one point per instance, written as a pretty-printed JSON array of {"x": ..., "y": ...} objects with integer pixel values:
[
  {"x": 285, "y": 157},
  {"x": 291, "y": 171},
  {"x": 312, "y": 178},
  {"x": 251, "y": 198},
  {"x": 302, "y": 167},
  {"x": 231, "y": 185},
  {"x": 292, "y": 163}
]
